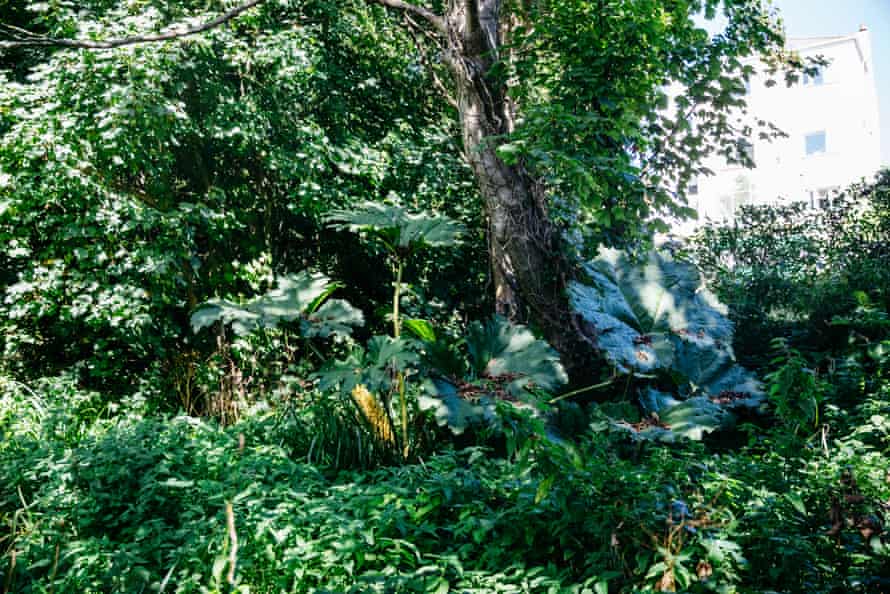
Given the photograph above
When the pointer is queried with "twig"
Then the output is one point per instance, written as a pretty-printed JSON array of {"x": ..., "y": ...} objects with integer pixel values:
[
  {"x": 10, "y": 579},
  {"x": 52, "y": 575},
  {"x": 34, "y": 40},
  {"x": 167, "y": 578},
  {"x": 604, "y": 384},
  {"x": 20, "y": 31}
]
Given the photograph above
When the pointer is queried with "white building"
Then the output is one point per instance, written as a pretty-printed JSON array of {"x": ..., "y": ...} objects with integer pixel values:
[{"x": 831, "y": 122}]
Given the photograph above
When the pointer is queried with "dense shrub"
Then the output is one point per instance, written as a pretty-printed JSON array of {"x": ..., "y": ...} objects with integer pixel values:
[
  {"x": 129, "y": 503},
  {"x": 790, "y": 270}
]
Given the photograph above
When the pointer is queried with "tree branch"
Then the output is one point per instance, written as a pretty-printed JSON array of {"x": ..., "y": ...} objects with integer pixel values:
[
  {"x": 414, "y": 29},
  {"x": 435, "y": 20},
  {"x": 30, "y": 39}
]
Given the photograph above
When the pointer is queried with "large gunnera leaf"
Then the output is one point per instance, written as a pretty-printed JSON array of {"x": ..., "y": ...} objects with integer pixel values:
[
  {"x": 638, "y": 310},
  {"x": 506, "y": 360},
  {"x": 656, "y": 318},
  {"x": 398, "y": 227},
  {"x": 499, "y": 349},
  {"x": 302, "y": 296},
  {"x": 374, "y": 366},
  {"x": 453, "y": 408},
  {"x": 692, "y": 418}
]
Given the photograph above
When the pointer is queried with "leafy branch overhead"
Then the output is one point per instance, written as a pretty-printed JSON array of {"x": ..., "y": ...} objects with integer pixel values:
[
  {"x": 302, "y": 296},
  {"x": 548, "y": 124},
  {"x": 23, "y": 38},
  {"x": 19, "y": 37}
]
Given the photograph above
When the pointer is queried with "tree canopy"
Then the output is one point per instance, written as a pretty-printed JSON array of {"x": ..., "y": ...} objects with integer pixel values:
[{"x": 207, "y": 137}]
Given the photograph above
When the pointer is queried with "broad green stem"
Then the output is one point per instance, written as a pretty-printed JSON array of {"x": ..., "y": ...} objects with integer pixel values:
[
  {"x": 604, "y": 384},
  {"x": 400, "y": 377}
]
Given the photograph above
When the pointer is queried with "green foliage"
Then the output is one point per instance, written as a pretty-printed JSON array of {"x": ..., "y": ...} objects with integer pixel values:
[
  {"x": 790, "y": 271},
  {"x": 139, "y": 182},
  {"x": 793, "y": 388},
  {"x": 660, "y": 298},
  {"x": 398, "y": 229},
  {"x": 129, "y": 502},
  {"x": 505, "y": 363},
  {"x": 374, "y": 366},
  {"x": 498, "y": 348},
  {"x": 302, "y": 296},
  {"x": 655, "y": 318},
  {"x": 597, "y": 122},
  {"x": 401, "y": 233}
]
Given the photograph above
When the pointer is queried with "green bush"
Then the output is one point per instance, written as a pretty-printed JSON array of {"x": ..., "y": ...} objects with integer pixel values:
[
  {"x": 127, "y": 503},
  {"x": 789, "y": 271}
]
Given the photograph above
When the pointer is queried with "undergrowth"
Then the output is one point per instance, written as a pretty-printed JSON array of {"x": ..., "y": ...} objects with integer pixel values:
[{"x": 126, "y": 503}]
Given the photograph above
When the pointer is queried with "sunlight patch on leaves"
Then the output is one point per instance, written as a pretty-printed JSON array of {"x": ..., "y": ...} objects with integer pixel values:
[
  {"x": 399, "y": 228},
  {"x": 300, "y": 296}
]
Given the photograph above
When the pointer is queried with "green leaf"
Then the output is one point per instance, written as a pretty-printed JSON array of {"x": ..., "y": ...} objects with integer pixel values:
[
  {"x": 796, "y": 502},
  {"x": 696, "y": 417},
  {"x": 544, "y": 489},
  {"x": 656, "y": 316},
  {"x": 398, "y": 227},
  {"x": 297, "y": 296},
  {"x": 639, "y": 308},
  {"x": 500, "y": 349},
  {"x": 422, "y": 329},
  {"x": 452, "y": 410},
  {"x": 334, "y": 317},
  {"x": 374, "y": 366},
  {"x": 506, "y": 361}
]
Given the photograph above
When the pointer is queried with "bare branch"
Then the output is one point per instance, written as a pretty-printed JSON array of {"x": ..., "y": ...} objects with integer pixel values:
[
  {"x": 29, "y": 39},
  {"x": 17, "y": 31},
  {"x": 432, "y": 18}
]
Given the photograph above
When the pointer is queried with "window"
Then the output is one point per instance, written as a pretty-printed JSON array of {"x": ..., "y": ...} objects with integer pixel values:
[
  {"x": 748, "y": 151},
  {"x": 815, "y": 80},
  {"x": 744, "y": 191},
  {"x": 815, "y": 143},
  {"x": 693, "y": 189},
  {"x": 824, "y": 198},
  {"x": 828, "y": 197}
]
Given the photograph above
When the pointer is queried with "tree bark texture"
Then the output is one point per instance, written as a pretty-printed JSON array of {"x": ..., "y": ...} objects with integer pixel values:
[{"x": 529, "y": 269}]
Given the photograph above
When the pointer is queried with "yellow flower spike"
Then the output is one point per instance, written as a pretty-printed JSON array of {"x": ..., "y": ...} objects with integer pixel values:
[{"x": 373, "y": 413}]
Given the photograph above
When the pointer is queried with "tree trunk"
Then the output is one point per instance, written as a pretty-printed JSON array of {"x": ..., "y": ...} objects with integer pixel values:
[{"x": 529, "y": 268}]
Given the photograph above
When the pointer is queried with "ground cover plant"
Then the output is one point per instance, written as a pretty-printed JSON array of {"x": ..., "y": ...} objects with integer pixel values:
[{"x": 363, "y": 296}]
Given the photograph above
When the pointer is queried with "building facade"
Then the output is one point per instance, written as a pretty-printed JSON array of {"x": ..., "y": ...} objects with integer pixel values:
[{"x": 832, "y": 128}]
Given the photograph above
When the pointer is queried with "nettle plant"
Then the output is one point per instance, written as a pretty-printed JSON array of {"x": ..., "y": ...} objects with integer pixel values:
[{"x": 656, "y": 321}]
